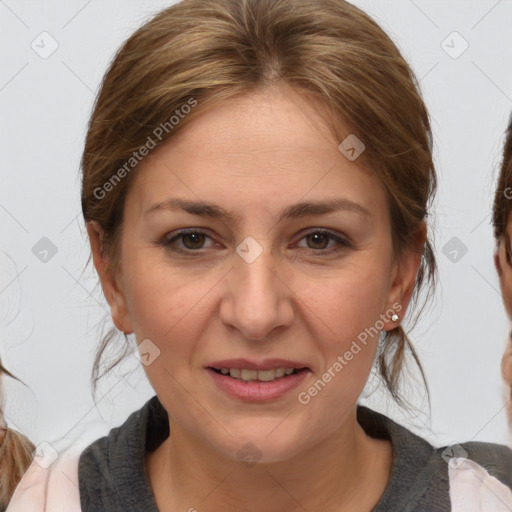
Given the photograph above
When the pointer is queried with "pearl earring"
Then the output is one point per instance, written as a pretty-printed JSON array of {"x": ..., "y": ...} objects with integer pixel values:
[{"x": 394, "y": 318}]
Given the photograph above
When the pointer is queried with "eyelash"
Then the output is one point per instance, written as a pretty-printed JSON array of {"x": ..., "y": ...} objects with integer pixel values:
[{"x": 342, "y": 243}]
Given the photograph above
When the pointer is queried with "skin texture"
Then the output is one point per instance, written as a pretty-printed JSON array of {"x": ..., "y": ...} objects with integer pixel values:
[{"x": 254, "y": 156}]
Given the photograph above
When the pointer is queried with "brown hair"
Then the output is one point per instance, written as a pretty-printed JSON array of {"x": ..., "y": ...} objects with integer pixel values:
[
  {"x": 15, "y": 453},
  {"x": 215, "y": 50},
  {"x": 501, "y": 210}
]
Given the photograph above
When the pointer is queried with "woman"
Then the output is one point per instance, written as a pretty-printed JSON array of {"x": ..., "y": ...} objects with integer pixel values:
[
  {"x": 502, "y": 223},
  {"x": 256, "y": 178}
]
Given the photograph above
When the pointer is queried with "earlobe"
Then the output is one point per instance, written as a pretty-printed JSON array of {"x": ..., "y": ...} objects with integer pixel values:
[
  {"x": 120, "y": 315},
  {"x": 112, "y": 292}
]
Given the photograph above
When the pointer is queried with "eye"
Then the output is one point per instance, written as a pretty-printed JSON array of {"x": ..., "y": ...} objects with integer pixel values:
[
  {"x": 322, "y": 240},
  {"x": 187, "y": 241},
  {"x": 191, "y": 241}
]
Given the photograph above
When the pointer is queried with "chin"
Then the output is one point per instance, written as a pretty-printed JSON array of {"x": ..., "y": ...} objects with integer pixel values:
[{"x": 264, "y": 444}]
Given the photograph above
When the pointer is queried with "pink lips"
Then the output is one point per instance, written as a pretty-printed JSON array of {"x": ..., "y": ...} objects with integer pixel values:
[{"x": 257, "y": 391}]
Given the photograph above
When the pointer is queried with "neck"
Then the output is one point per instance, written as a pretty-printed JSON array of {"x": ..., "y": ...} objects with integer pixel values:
[{"x": 348, "y": 470}]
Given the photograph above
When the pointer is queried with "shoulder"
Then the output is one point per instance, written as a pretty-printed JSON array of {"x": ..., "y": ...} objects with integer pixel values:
[
  {"x": 111, "y": 470},
  {"x": 466, "y": 477},
  {"x": 51, "y": 482},
  {"x": 496, "y": 459},
  {"x": 419, "y": 478},
  {"x": 66, "y": 475},
  {"x": 480, "y": 476}
]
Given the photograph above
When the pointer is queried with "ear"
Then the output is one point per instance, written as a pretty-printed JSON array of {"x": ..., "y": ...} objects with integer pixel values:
[
  {"x": 403, "y": 278},
  {"x": 109, "y": 282}
]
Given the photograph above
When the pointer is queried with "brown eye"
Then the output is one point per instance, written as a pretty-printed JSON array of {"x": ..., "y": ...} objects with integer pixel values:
[
  {"x": 317, "y": 240},
  {"x": 324, "y": 241},
  {"x": 188, "y": 242},
  {"x": 193, "y": 240}
]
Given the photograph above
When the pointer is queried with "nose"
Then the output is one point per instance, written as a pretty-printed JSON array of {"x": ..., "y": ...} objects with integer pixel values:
[{"x": 258, "y": 299}]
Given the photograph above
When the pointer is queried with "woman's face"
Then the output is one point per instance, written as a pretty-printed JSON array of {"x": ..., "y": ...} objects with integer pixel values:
[{"x": 286, "y": 263}]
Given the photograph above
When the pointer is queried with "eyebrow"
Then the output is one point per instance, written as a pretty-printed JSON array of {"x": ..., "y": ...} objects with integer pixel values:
[{"x": 294, "y": 211}]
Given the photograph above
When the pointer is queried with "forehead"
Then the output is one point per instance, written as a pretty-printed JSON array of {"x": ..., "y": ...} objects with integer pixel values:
[
  {"x": 260, "y": 148},
  {"x": 264, "y": 125}
]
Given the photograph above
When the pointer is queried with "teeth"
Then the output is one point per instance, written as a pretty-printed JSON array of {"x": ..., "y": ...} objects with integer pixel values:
[
  {"x": 266, "y": 375},
  {"x": 236, "y": 373},
  {"x": 280, "y": 372},
  {"x": 261, "y": 375},
  {"x": 249, "y": 374}
]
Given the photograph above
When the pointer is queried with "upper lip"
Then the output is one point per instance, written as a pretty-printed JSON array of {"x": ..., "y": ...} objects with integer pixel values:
[{"x": 247, "y": 364}]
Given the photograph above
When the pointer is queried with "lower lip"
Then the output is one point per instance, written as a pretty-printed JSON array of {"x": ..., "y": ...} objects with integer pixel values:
[{"x": 257, "y": 391}]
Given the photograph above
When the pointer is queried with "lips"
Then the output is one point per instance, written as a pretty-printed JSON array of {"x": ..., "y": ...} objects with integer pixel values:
[
  {"x": 257, "y": 380},
  {"x": 256, "y": 390}
]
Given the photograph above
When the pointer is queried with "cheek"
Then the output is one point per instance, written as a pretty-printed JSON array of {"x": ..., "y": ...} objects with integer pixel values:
[
  {"x": 157, "y": 295},
  {"x": 167, "y": 306},
  {"x": 345, "y": 321},
  {"x": 346, "y": 302}
]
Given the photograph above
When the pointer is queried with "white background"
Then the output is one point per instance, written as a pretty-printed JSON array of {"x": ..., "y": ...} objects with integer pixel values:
[{"x": 51, "y": 313}]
